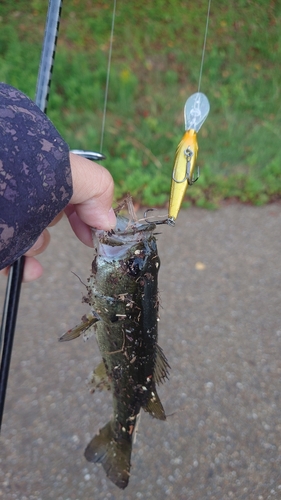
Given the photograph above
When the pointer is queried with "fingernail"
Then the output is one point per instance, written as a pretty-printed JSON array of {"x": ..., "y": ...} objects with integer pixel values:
[
  {"x": 112, "y": 218},
  {"x": 39, "y": 243}
]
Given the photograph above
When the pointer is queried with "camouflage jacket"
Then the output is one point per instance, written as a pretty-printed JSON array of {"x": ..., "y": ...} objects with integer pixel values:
[{"x": 35, "y": 176}]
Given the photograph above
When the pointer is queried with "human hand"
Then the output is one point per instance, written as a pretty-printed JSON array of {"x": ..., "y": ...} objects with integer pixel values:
[{"x": 90, "y": 206}]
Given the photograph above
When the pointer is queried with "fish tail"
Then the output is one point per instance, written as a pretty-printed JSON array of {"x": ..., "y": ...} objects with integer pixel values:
[{"x": 113, "y": 455}]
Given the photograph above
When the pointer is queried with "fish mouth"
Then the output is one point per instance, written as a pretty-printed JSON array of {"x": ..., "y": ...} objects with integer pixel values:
[{"x": 127, "y": 233}]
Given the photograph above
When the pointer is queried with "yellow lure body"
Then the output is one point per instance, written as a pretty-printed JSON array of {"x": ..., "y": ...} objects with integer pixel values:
[{"x": 183, "y": 170}]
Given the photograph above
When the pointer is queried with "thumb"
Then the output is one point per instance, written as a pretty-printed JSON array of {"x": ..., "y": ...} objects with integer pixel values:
[{"x": 92, "y": 193}]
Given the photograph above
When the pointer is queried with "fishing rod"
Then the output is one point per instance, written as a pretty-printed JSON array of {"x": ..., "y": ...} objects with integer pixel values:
[{"x": 14, "y": 281}]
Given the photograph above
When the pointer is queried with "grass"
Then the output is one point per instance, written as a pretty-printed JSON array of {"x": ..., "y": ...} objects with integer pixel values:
[{"x": 155, "y": 67}]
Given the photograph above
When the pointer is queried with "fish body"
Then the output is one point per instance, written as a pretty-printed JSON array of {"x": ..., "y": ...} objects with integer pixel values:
[
  {"x": 183, "y": 171},
  {"x": 123, "y": 295}
]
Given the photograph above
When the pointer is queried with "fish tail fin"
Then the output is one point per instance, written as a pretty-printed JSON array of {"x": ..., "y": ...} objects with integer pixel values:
[
  {"x": 113, "y": 455},
  {"x": 154, "y": 405}
]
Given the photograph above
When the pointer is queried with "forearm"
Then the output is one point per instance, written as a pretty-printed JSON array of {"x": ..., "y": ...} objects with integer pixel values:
[{"x": 35, "y": 175}]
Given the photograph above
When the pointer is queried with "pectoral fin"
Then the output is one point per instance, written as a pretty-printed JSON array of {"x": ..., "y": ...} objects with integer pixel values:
[{"x": 87, "y": 321}]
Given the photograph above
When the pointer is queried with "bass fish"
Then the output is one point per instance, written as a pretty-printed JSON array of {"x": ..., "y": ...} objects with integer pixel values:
[{"x": 123, "y": 296}]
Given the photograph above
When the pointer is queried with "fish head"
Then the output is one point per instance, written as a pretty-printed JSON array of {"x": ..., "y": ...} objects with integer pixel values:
[{"x": 127, "y": 235}]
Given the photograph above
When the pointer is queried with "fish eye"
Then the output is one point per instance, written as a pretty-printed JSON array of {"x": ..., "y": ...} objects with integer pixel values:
[{"x": 134, "y": 265}]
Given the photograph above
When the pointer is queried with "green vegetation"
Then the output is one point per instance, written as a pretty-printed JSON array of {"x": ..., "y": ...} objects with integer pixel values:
[{"x": 155, "y": 67}]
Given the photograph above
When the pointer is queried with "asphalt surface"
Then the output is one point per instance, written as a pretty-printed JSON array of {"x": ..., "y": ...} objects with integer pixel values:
[{"x": 220, "y": 293}]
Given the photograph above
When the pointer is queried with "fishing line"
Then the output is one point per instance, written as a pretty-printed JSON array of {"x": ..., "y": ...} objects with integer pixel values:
[
  {"x": 196, "y": 110},
  {"x": 108, "y": 74},
  {"x": 204, "y": 45}
]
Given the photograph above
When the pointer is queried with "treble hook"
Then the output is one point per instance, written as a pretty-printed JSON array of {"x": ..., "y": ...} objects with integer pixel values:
[
  {"x": 168, "y": 220},
  {"x": 188, "y": 153},
  {"x": 192, "y": 180}
]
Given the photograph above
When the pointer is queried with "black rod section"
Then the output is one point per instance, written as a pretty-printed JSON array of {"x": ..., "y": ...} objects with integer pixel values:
[{"x": 8, "y": 326}]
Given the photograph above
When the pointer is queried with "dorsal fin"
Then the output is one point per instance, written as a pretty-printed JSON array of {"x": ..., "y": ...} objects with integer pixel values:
[{"x": 161, "y": 369}]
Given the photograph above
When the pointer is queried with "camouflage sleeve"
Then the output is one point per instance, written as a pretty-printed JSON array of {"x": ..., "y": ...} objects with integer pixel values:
[{"x": 35, "y": 175}]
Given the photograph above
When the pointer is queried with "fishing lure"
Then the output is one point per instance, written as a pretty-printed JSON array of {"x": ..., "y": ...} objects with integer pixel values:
[
  {"x": 123, "y": 297},
  {"x": 196, "y": 110}
]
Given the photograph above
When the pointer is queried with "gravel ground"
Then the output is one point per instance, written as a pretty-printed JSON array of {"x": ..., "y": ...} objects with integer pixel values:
[{"x": 220, "y": 292}]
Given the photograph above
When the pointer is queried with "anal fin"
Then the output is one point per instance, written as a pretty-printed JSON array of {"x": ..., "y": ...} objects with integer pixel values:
[{"x": 154, "y": 405}]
